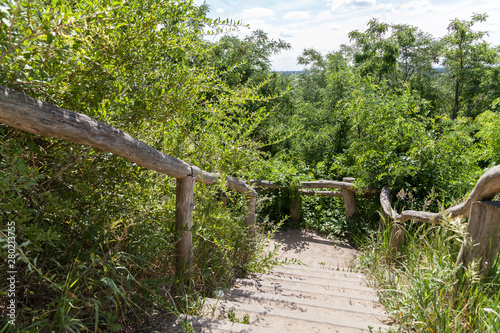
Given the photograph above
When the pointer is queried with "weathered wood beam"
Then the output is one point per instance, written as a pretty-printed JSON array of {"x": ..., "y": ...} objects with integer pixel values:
[
  {"x": 264, "y": 183},
  {"x": 338, "y": 185},
  {"x": 385, "y": 202},
  {"x": 328, "y": 184},
  {"x": 350, "y": 204},
  {"x": 486, "y": 188},
  {"x": 337, "y": 194},
  {"x": 239, "y": 185},
  {"x": 483, "y": 235},
  {"x": 28, "y": 114},
  {"x": 184, "y": 221}
]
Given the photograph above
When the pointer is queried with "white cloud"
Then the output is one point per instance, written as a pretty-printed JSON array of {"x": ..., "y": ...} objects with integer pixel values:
[
  {"x": 325, "y": 15},
  {"x": 324, "y": 24},
  {"x": 348, "y": 5},
  {"x": 257, "y": 13},
  {"x": 296, "y": 15},
  {"x": 417, "y": 4}
]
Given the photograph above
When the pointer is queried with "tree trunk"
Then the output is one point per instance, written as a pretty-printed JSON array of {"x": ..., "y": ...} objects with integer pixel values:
[{"x": 456, "y": 104}]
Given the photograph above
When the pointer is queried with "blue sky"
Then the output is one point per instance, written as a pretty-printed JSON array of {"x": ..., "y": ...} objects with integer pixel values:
[{"x": 324, "y": 24}]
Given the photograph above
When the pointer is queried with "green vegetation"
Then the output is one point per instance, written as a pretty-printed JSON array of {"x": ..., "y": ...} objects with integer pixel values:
[
  {"x": 424, "y": 291},
  {"x": 95, "y": 234}
]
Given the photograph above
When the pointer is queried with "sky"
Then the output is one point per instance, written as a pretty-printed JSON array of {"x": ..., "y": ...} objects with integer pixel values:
[{"x": 324, "y": 24}]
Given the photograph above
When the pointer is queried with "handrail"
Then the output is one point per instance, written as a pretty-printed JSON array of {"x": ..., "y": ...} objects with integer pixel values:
[
  {"x": 318, "y": 184},
  {"x": 346, "y": 187},
  {"x": 31, "y": 115},
  {"x": 486, "y": 188}
]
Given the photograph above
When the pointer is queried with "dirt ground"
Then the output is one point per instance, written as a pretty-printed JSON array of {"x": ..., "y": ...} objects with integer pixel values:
[{"x": 315, "y": 250}]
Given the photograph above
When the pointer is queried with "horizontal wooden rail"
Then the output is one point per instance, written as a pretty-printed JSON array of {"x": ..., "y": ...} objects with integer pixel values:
[
  {"x": 341, "y": 185},
  {"x": 31, "y": 115},
  {"x": 28, "y": 114},
  {"x": 264, "y": 183},
  {"x": 486, "y": 188},
  {"x": 337, "y": 194},
  {"x": 346, "y": 187},
  {"x": 329, "y": 184}
]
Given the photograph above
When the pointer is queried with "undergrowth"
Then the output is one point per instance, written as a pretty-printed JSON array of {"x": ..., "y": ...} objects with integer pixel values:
[
  {"x": 424, "y": 290},
  {"x": 95, "y": 240}
]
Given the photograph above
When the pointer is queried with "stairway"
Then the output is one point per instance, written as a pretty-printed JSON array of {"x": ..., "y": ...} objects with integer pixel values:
[{"x": 317, "y": 295}]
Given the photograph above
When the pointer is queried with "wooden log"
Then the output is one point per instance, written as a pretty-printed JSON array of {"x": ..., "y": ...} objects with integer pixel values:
[
  {"x": 250, "y": 219},
  {"x": 264, "y": 183},
  {"x": 485, "y": 189},
  {"x": 385, "y": 202},
  {"x": 295, "y": 206},
  {"x": 397, "y": 229},
  {"x": 203, "y": 176},
  {"x": 337, "y": 194},
  {"x": 338, "y": 185},
  {"x": 184, "y": 222},
  {"x": 28, "y": 114},
  {"x": 239, "y": 185},
  {"x": 483, "y": 235},
  {"x": 350, "y": 204},
  {"x": 328, "y": 184},
  {"x": 397, "y": 237}
]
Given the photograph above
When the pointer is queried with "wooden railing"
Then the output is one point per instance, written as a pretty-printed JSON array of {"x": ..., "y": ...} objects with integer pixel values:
[
  {"x": 346, "y": 187},
  {"x": 483, "y": 229},
  {"x": 28, "y": 114}
]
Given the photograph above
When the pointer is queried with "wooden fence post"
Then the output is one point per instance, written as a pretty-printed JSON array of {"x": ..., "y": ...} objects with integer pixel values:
[
  {"x": 184, "y": 222},
  {"x": 483, "y": 235},
  {"x": 350, "y": 204},
  {"x": 295, "y": 206},
  {"x": 397, "y": 236},
  {"x": 250, "y": 220}
]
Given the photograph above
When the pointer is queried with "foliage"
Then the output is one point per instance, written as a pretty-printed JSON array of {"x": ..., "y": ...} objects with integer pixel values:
[
  {"x": 488, "y": 124},
  {"x": 421, "y": 287},
  {"x": 396, "y": 145},
  {"x": 377, "y": 110},
  {"x": 95, "y": 234},
  {"x": 468, "y": 57}
]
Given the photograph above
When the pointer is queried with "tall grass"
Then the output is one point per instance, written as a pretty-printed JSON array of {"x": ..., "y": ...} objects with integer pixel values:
[{"x": 422, "y": 288}]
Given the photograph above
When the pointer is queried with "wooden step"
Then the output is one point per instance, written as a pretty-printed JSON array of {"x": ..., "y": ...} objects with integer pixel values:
[{"x": 295, "y": 319}]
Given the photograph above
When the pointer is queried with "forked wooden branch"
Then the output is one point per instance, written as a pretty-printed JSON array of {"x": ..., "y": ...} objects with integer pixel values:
[{"x": 486, "y": 188}]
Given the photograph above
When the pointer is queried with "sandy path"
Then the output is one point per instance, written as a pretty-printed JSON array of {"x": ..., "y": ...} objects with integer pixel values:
[{"x": 313, "y": 249}]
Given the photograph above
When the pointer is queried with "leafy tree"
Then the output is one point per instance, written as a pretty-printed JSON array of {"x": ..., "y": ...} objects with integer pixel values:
[
  {"x": 238, "y": 60},
  {"x": 467, "y": 57},
  {"x": 98, "y": 233},
  {"x": 372, "y": 53}
]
